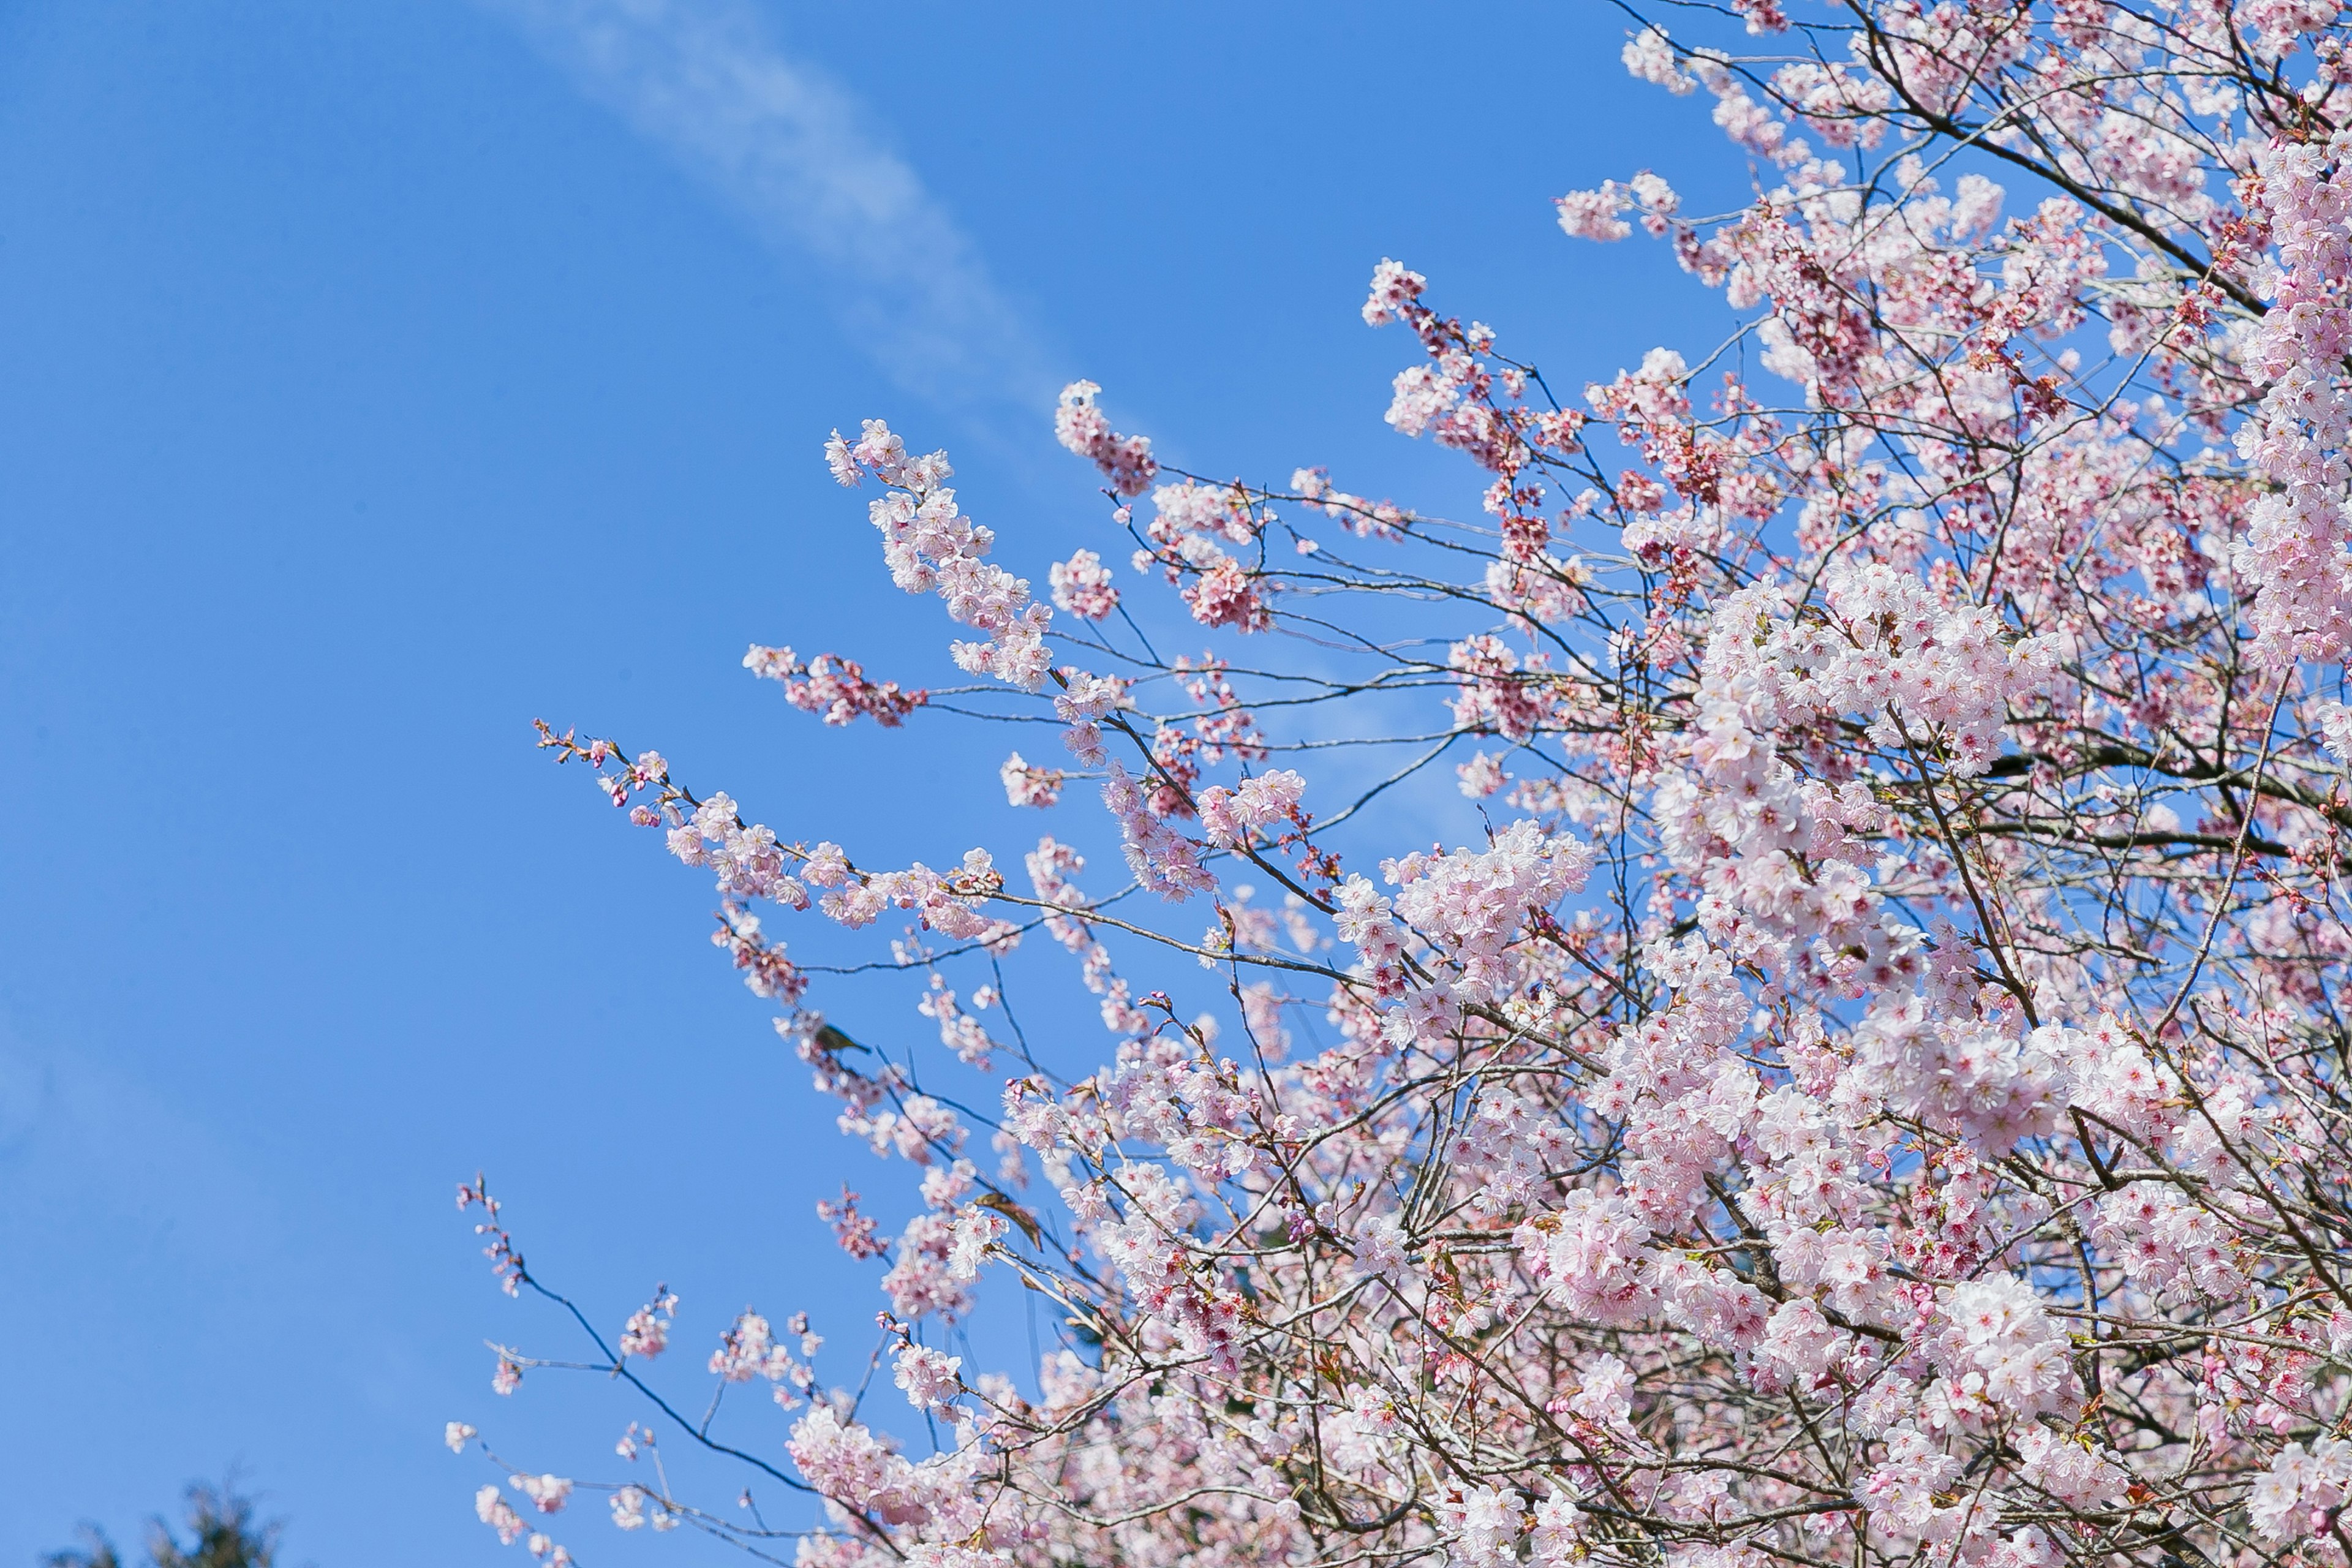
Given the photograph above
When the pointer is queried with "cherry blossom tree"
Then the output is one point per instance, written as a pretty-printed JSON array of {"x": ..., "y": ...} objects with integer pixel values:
[{"x": 1874, "y": 1091}]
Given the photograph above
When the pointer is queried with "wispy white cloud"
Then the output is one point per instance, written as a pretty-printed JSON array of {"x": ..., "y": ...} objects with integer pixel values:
[
  {"x": 86, "y": 1151},
  {"x": 799, "y": 157}
]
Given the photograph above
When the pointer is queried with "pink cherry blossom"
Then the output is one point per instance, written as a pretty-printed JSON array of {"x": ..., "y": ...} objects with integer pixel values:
[{"x": 1847, "y": 1069}]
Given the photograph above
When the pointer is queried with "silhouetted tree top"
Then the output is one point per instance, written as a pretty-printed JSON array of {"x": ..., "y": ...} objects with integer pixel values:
[{"x": 220, "y": 1521}]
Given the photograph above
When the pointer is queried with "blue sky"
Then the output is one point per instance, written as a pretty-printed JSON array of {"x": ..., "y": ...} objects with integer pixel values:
[{"x": 375, "y": 378}]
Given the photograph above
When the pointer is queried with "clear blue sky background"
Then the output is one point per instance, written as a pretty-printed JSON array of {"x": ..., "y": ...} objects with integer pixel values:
[{"x": 375, "y": 377}]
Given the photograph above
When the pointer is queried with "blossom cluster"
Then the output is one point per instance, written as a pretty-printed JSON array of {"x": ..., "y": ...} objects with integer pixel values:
[
  {"x": 931, "y": 546},
  {"x": 832, "y": 688}
]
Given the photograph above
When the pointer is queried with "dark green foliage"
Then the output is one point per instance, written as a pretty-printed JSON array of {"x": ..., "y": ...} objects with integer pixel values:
[
  {"x": 96, "y": 1552},
  {"x": 225, "y": 1535}
]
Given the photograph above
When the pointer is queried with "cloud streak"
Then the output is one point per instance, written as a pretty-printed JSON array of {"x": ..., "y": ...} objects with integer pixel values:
[
  {"x": 798, "y": 157},
  {"x": 87, "y": 1152}
]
